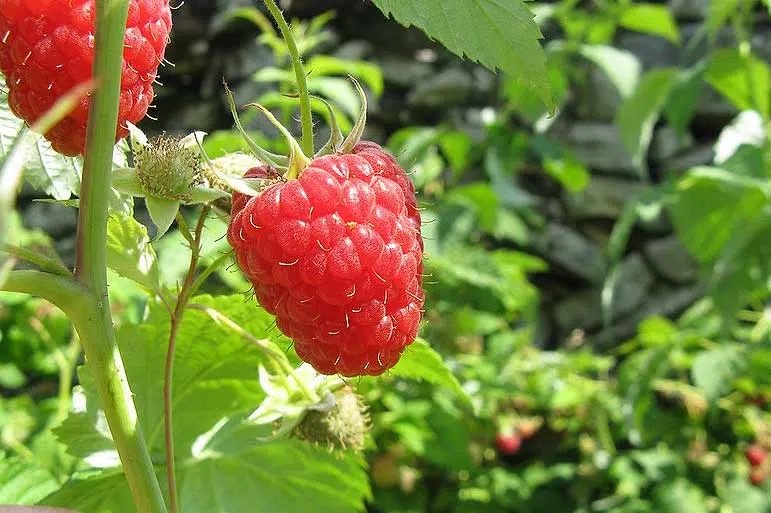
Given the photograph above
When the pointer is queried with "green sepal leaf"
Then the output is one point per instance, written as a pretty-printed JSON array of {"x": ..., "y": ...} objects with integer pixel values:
[
  {"x": 201, "y": 194},
  {"x": 162, "y": 212},
  {"x": 125, "y": 180},
  {"x": 498, "y": 35}
]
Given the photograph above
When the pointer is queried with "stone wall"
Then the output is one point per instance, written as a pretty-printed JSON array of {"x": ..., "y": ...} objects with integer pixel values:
[{"x": 427, "y": 85}]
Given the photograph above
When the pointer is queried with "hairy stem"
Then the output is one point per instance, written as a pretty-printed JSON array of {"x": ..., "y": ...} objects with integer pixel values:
[
  {"x": 176, "y": 319},
  {"x": 299, "y": 72},
  {"x": 96, "y": 329}
]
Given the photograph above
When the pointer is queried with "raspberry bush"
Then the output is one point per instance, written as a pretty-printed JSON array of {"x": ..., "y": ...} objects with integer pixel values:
[{"x": 261, "y": 343}]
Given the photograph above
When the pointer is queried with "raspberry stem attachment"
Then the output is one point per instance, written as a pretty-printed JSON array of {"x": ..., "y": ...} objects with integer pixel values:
[
  {"x": 297, "y": 159},
  {"x": 302, "y": 83}
]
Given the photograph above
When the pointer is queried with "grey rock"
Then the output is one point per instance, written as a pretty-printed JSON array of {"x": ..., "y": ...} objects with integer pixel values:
[
  {"x": 450, "y": 87},
  {"x": 65, "y": 248},
  {"x": 761, "y": 43},
  {"x": 713, "y": 108},
  {"x": 691, "y": 10},
  {"x": 670, "y": 259},
  {"x": 584, "y": 310},
  {"x": 484, "y": 81},
  {"x": 598, "y": 99},
  {"x": 354, "y": 50},
  {"x": 571, "y": 251},
  {"x": 54, "y": 219},
  {"x": 665, "y": 301},
  {"x": 666, "y": 143},
  {"x": 697, "y": 156},
  {"x": 404, "y": 72},
  {"x": 598, "y": 145},
  {"x": 604, "y": 197},
  {"x": 653, "y": 51}
]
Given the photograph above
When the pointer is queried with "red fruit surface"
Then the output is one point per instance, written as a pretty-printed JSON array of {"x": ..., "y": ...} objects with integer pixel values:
[
  {"x": 507, "y": 444},
  {"x": 47, "y": 48},
  {"x": 337, "y": 256},
  {"x": 756, "y": 455},
  {"x": 758, "y": 476}
]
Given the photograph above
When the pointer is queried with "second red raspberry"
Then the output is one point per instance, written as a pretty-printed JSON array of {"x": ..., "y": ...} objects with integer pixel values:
[
  {"x": 337, "y": 256},
  {"x": 47, "y": 48}
]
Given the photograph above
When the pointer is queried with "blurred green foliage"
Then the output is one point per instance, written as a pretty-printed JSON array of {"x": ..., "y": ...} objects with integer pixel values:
[{"x": 658, "y": 424}]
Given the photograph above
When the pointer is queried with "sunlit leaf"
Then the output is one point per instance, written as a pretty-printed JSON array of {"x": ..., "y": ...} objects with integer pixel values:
[{"x": 496, "y": 34}]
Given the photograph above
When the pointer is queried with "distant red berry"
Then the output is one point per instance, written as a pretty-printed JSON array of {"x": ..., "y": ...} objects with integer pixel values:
[
  {"x": 336, "y": 255},
  {"x": 47, "y": 48},
  {"x": 508, "y": 444},
  {"x": 756, "y": 455},
  {"x": 758, "y": 476}
]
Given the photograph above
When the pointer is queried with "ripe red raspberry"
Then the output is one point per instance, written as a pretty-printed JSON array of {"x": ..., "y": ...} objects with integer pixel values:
[
  {"x": 508, "y": 444},
  {"x": 336, "y": 256},
  {"x": 756, "y": 455},
  {"x": 47, "y": 48},
  {"x": 758, "y": 476}
]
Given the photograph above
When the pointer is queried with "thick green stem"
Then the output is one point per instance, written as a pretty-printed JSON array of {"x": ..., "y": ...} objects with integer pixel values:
[
  {"x": 302, "y": 83},
  {"x": 66, "y": 294},
  {"x": 96, "y": 330}
]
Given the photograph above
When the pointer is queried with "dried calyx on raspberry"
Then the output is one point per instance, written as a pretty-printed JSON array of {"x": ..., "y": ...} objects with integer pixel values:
[
  {"x": 341, "y": 424},
  {"x": 333, "y": 249}
]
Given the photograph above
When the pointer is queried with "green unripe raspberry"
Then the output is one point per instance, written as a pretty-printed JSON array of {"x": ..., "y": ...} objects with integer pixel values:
[
  {"x": 168, "y": 169},
  {"x": 343, "y": 426}
]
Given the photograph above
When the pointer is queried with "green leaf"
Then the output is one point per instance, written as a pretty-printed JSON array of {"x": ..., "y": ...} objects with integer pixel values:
[
  {"x": 215, "y": 372},
  {"x": 744, "y": 498},
  {"x": 622, "y": 67},
  {"x": 638, "y": 115},
  {"x": 718, "y": 13},
  {"x": 104, "y": 492},
  {"x": 129, "y": 252},
  {"x": 287, "y": 475},
  {"x": 569, "y": 172},
  {"x": 744, "y": 80},
  {"x": 684, "y": 98},
  {"x": 651, "y": 19},
  {"x": 496, "y": 34},
  {"x": 22, "y": 482},
  {"x": 370, "y": 74},
  {"x": 715, "y": 370},
  {"x": 421, "y": 362},
  {"x": 744, "y": 265},
  {"x": 679, "y": 496},
  {"x": 162, "y": 212},
  {"x": 282, "y": 476},
  {"x": 710, "y": 206}
]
